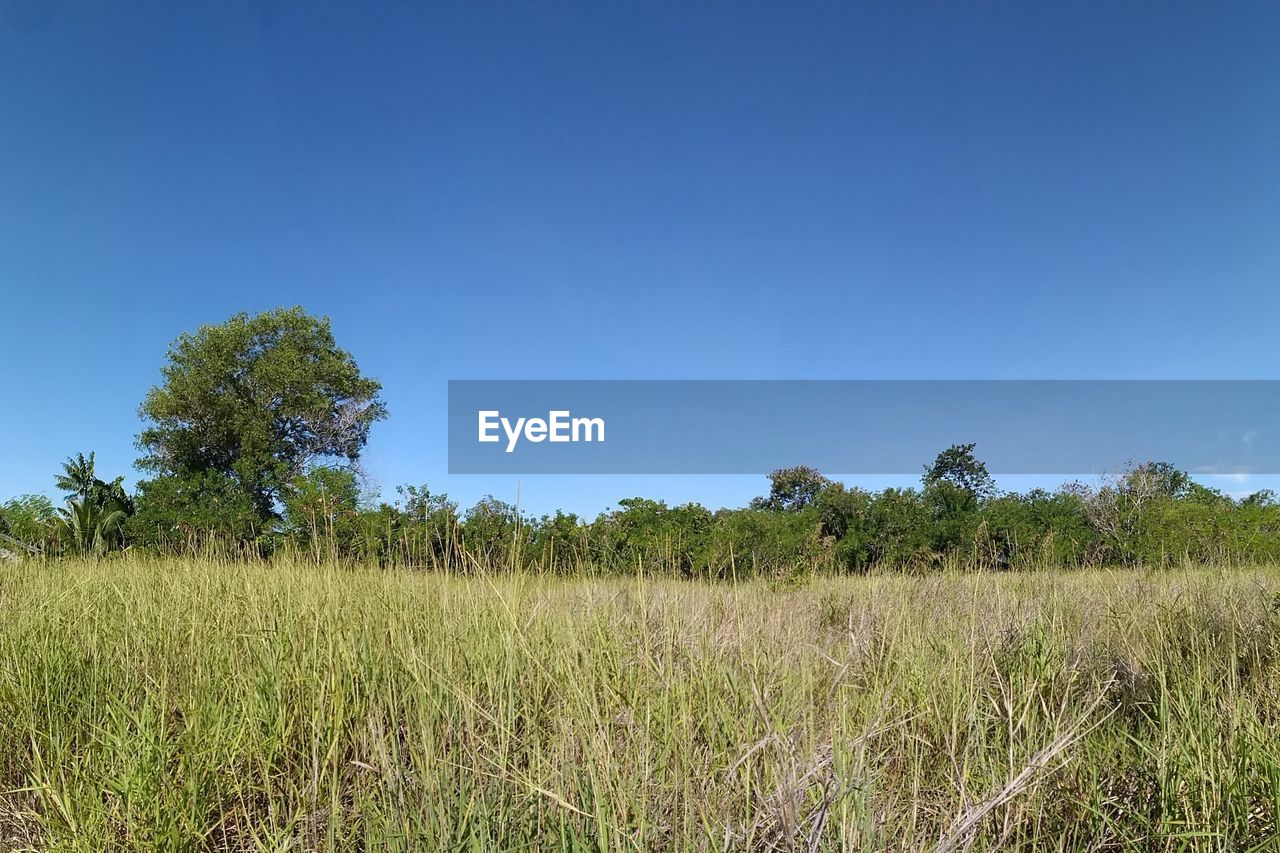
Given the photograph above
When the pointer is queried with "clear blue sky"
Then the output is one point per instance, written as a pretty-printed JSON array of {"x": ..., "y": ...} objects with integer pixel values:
[{"x": 703, "y": 190}]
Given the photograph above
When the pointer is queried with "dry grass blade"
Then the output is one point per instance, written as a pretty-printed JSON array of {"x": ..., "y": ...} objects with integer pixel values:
[{"x": 960, "y": 833}]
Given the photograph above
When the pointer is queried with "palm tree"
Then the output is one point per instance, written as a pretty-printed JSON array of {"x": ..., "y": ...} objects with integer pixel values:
[
  {"x": 78, "y": 476},
  {"x": 93, "y": 518},
  {"x": 87, "y": 527}
]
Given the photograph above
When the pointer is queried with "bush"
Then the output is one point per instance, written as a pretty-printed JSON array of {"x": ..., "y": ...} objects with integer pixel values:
[{"x": 185, "y": 513}]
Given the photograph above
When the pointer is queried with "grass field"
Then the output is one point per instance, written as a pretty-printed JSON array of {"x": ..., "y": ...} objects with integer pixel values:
[{"x": 167, "y": 705}]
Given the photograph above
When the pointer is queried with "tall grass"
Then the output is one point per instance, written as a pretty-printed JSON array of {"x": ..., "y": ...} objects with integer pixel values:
[{"x": 209, "y": 705}]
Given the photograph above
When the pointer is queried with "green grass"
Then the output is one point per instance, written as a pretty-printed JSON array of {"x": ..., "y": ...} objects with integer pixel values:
[{"x": 185, "y": 704}]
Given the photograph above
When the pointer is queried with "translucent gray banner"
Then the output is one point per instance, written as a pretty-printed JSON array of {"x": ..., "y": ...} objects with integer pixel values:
[{"x": 859, "y": 426}]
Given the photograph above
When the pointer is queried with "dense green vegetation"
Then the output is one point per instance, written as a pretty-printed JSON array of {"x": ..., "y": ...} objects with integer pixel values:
[
  {"x": 252, "y": 444},
  {"x": 1152, "y": 515},
  {"x": 167, "y": 704}
]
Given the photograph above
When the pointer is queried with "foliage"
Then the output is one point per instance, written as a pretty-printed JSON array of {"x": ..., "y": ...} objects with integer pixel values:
[
  {"x": 1037, "y": 530},
  {"x": 560, "y": 543},
  {"x": 492, "y": 531},
  {"x": 321, "y": 511},
  {"x": 92, "y": 522},
  {"x": 260, "y": 400},
  {"x": 958, "y": 467},
  {"x": 28, "y": 523},
  {"x": 426, "y": 525},
  {"x": 792, "y": 489},
  {"x": 77, "y": 475},
  {"x": 900, "y": 528},
  {"x": 186, "y": 511},
  {"x": 89, "y": 528},
  {"x": 647, "y": 535},
  {"x": 1151, "y": 514},
  {"x": 779, "y": 545},
  {"x": 844, "y": 518}
]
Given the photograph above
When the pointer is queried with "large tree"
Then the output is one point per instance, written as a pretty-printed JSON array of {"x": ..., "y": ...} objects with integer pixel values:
[{"x": 259, "y": 399}]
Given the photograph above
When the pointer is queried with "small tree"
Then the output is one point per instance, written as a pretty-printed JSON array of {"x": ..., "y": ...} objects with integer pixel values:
[
  {"x": 955, "y": 487},
  {"x": 28, "y": 523},
  {"x": 1120, "y": 507},
  {"x": 792, "y": 489},
  {"x": 959, "y": 467},
  {"x": 93, "y": 520},
  {"x": 321, "y": 510},
  {"x": 88, "y": 528},
  {"x": 495, "y": 529}
]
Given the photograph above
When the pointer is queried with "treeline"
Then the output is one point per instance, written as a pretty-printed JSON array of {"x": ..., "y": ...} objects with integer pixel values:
[
  {"x": 251, "y": 445},
  {"x": 1152, "y": 515}
]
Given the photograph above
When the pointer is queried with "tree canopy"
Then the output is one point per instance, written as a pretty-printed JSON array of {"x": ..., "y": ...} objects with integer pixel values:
[
  {"x": 959, "y": 467},
  {"x": 259, "y": 399},
  {"x": 792, "y": 489}
]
